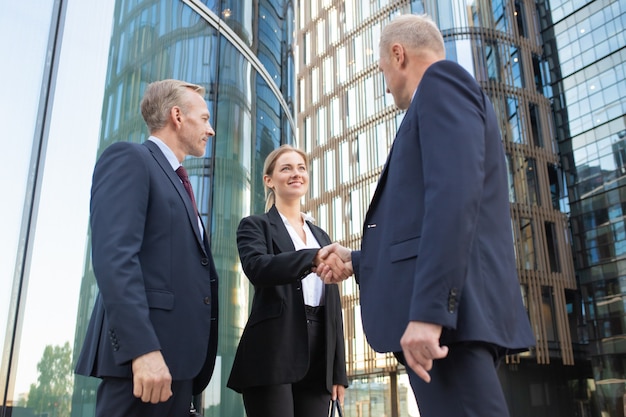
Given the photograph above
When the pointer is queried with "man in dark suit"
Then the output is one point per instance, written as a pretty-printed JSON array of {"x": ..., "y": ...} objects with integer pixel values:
[
  {"x": 152, "y": 337},
  {"x": 436, "y": 269}
]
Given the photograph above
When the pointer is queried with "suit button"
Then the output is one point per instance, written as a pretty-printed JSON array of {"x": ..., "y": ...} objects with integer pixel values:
[
  {"x": 204, "y": 261},
  {"x": 207, "y": 300}
]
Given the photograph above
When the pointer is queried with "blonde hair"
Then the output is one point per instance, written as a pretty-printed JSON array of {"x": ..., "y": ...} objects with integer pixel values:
[
  {"x": 270, "y": 164},
  {"x": 414, "y": 32},
  {"x": 161, "y": 96}
]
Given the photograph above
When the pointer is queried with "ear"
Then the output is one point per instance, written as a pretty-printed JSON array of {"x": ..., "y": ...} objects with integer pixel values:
[
  {"x": 397, "y": 53},
  {"x": 267, "y": 180},
  {"x": 176, "y": 116}
]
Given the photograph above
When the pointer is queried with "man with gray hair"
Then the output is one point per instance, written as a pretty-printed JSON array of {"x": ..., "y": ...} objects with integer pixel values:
[
  {"x": 436, "y": 268},
  {"x": 152, "y": 338}
]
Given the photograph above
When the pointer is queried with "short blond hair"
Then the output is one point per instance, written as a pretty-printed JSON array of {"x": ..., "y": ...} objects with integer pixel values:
[
  {"x": 161, "y": 96},
  {"x": 415, "y": 32},
  {"x": 270, "y": 164}
]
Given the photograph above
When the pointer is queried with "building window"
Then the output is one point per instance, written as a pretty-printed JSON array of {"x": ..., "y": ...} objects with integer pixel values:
[
  {"x": 516, "y": 68},
  {"x": 520, "y": 20},
  {"x": 527, "y": 181},
  {"x": 532, "y": 182},
  {"x": 555, "y": 185},
  {"x": 527, "y": 244},
  {"x": 492, "y": 61},
  {"x": 535, "y": 124},
  {"x": 511, "y": 178},
  {"x": 547, "y": 310},
  {"x": 514, "y": 130},
  {"x": 553, "y": 249}
]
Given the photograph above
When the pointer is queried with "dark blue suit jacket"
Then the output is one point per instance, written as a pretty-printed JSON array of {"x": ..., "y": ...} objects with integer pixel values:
[
  {"x": 274, "y": 346},
  {"x": 437, "y": 241},
  {"x": 155, "y": 273}
]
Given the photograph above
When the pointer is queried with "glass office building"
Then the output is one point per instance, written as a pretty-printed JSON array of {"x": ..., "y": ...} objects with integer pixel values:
[
  {"x": 347, "y": 123},
  {"x": 79, "y": 82},
  {"x": 584, "y": 46}
]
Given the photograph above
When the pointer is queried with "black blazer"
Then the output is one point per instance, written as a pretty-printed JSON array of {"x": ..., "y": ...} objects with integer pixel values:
[
  {"x": 155, "y": 273},
  {"x": 274, "y": 346}
]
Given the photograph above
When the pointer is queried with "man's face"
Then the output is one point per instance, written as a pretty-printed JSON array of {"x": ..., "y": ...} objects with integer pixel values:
[
  {"x": 394, "y": 79},
  {"x": 195, "y": 129}
]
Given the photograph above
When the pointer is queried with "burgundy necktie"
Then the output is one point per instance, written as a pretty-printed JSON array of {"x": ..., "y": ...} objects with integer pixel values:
[{"x": 182, "y": 173}]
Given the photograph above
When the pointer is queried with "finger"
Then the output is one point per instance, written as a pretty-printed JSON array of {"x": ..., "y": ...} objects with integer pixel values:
[
  {"x": 137, "y": 388},
  {"x": 161, "y": 390},
  {"x": 337, "y": 266},
  {"x": 326, "y": 250},
  {"x": 334, "y": 394},
  {"x": 341, "y": 393},
  {"x": 166, "y": 392},
  {"x": 418, "y": 363},
  {"x": 146, "y": 397},
  {"x": 438, "y": 352}
]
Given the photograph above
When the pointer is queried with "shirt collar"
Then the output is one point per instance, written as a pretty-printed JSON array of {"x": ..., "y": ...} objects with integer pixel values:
[
  {"x": 167, "y": 152},
  {"x": 306, "y": 217}
]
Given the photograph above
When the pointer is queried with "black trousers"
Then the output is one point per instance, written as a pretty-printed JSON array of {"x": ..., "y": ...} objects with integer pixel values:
[
  {"x": 464, "y": 384},
  {"x": 305, "y": 398},
  {"x": 115, "y": 399}
]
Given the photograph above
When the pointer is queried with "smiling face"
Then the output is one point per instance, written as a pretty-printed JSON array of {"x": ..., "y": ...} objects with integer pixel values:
[
  {"x": 290, "y": 178},
  {"x": 195, "y": 128}
]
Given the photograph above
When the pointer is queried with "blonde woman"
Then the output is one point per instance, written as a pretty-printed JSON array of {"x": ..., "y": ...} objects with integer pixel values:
[{"x": 290, "y": 360}]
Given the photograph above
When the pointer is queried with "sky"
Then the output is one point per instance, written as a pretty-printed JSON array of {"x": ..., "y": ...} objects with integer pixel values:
[{"x": 59, "y": 245}]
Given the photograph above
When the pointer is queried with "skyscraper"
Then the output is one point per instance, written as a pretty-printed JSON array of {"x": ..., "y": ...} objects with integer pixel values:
[
  {"x": 347, "y": 123},
  {"x": 584, "y": 49}
]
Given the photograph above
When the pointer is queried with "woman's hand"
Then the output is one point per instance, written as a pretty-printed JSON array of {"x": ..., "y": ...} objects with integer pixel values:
[{"x": 339, "y": 392}]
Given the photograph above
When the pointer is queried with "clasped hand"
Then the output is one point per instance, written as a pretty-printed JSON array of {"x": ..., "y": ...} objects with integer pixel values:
[
  {"x": 152, "y": 381},
  {"x": 333, "y": 263}
]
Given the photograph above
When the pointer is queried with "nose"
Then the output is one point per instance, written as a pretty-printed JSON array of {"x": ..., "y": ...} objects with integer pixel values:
[{"x": 210, "y": 130}]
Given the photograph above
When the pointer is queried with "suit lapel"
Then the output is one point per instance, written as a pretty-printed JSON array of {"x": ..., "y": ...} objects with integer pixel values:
[
  {"x": 383, "y": 174},
  {"x": 178, "y": 185},
  {"x": 319, "y": 236},
  {"x": 280, "y": 235}
]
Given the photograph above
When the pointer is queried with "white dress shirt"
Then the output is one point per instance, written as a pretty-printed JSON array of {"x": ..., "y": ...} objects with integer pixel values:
[
  {"x": 171, "y": 158},
  {"x": 312, "y": 284}
]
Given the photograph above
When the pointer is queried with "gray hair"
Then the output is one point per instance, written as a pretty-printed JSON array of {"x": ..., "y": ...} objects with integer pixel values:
[
  {"x": 414, "y": 32},
  {"x": 160, "y": 97}
]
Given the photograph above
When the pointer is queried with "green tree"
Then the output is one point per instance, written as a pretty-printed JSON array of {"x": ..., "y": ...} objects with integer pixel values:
[{"x": 52, "y": 393}]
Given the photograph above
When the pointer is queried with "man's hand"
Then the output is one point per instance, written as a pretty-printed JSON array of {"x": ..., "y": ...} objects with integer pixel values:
[
  {"x": 333, "y": 263},
  {"x": 420, "y": 345},
  {"x": 152, "y": 381}
]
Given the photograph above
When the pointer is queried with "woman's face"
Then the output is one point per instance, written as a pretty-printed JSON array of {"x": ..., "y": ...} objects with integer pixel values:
[{"x": 290, "y": 178}]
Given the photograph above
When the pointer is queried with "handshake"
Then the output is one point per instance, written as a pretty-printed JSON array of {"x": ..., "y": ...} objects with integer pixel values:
[{"x": 333, "y": 263}]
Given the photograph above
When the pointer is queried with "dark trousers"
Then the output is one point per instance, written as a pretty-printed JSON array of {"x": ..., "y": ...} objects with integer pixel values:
[
  {"x": 305, "y": 398},
  {"x": 115, "y": 399},
  {"x": 464, "y": 384}
]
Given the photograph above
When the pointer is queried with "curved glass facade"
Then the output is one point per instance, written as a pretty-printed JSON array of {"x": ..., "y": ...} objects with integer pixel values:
[{"x": 243, "y": 57}]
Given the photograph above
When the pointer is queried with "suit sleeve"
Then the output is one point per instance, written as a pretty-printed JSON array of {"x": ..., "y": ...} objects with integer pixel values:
[
  {"x": 119, "y": 203},
  {"x": 261, "y": 266},
  {"x": 450, "y": 112}
]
